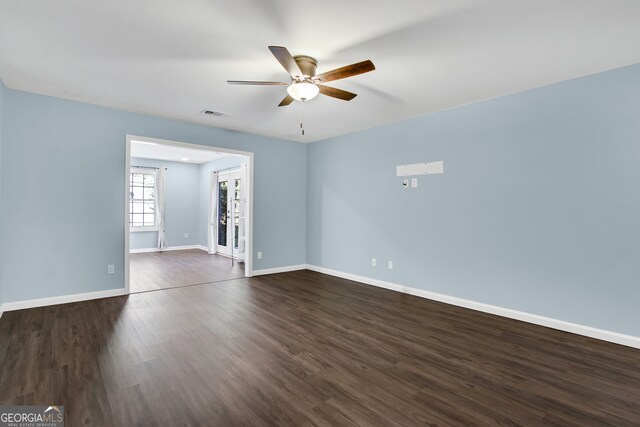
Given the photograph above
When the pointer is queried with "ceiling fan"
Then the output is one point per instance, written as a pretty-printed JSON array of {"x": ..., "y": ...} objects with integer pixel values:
[{"x": 305, "y": 84}]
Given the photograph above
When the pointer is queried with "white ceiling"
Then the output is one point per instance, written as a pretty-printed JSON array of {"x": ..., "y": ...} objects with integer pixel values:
[
  {"x": 172, "y": 58},
  {"x": 172, "y": 153}
]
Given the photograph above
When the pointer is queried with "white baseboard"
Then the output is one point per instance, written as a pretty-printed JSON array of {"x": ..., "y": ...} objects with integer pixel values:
[
  {"x": 601, "y": 334},
  {"x": 63, "y": 299},
  {"x": 279, "y": 269},
  {"x": 170, "y": 248},
  {"x": 1, "y": 310},
  {"x": 202, "y": 248}
]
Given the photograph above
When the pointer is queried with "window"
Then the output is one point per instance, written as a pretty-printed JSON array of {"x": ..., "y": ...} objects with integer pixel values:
[{"x": 142, "y": 200}]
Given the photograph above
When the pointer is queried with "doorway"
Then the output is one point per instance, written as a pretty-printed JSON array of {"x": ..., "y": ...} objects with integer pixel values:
[{"x": 182, "y": 210}]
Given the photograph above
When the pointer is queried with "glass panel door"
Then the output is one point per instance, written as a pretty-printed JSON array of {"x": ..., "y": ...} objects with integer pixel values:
[
  {"x": 222, "y": 214},
  {"x": 236, "y": 213},
  {"x": 229, "y": 186}
]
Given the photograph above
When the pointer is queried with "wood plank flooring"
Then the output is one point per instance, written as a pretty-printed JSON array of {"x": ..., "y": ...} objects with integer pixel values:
[
  {"x": 304, "y": 348},
  {"x": 171, "y": 269}
]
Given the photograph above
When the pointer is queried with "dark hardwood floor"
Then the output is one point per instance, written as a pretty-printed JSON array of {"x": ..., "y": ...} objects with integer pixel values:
[
  {"x": 303, "y": 348},
  {"x": 171, "y": 269}
]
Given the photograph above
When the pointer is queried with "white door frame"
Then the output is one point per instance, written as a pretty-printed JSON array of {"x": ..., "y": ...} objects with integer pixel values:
[{"x": 248, "y": 264}]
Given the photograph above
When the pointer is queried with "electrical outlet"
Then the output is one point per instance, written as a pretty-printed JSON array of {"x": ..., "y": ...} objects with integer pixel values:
[
  {"x": 405, "y": 183},
  {"x": 373, "y": 262},
  {"x": 259, "y": 254},
  {"x": 186, "y": 235},
  {"x": 390, "y": 265},
  {"x": 111, "y": 269},
  {"x": 414, "y": 182}
]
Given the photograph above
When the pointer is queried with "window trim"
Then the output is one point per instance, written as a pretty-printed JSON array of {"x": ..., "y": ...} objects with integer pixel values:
[{"x": 150, "y": 171}]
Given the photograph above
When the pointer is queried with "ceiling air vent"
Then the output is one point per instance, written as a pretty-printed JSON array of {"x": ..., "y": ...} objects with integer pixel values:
[{"x": 212, "y": 113}]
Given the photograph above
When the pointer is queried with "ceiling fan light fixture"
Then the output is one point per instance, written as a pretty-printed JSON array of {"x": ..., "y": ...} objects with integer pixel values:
[{"x": 303, "y": 91}]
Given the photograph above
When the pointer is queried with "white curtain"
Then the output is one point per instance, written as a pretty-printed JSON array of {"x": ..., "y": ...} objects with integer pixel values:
[
  {"x": 162, "y": 238},
  {"x": 213, "y": 214}
]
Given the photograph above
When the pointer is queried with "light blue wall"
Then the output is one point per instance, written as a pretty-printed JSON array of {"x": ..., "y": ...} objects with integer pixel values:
[
  {"x": 205, "y": 184},
  {"x": 538, "y": 209},
  {"x": 182, "y": 182},
  {"x": 2, "y": 97},
  {"x": 66, "y": 220}
]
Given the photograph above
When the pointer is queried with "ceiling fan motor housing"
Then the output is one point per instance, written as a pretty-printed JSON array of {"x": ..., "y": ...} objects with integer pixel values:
[{"x": 307, "y": 65}]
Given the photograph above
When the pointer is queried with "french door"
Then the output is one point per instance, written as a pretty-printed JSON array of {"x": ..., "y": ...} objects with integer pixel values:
[{"x": 229, "y": 213}]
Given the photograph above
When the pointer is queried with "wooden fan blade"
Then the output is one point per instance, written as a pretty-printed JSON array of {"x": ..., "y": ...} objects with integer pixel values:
[
  {"x": 244, "y": 82},
  {"x": 336, "y": 93},
  {"x": 286, "y": 101},
  {"x": 286, "y": 60},
  {"x": 344, "y": 72}
]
